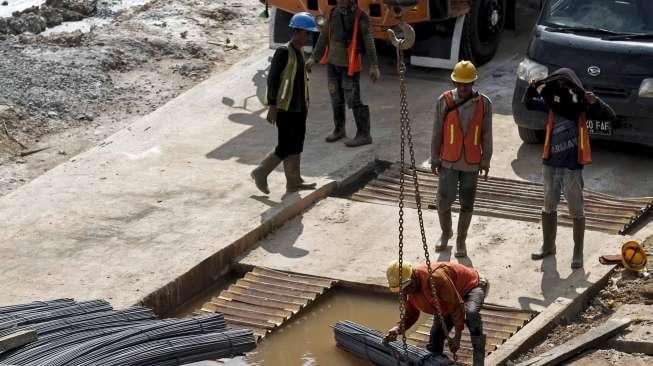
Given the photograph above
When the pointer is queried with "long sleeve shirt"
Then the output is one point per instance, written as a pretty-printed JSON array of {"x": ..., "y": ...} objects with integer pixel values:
[
  {"x": 452, "y": 281},
  {"x": 278, "y": 64},
  {"x": 466, "y": 113},
  {"x": 341, "y": 23}
]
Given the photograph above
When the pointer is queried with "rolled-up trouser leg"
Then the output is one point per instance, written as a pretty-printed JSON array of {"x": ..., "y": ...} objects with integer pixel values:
[{"x": 437, "y": 337}]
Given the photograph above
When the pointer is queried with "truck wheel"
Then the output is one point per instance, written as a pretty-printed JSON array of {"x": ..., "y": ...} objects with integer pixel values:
[
  {"x": 482, "y": 30},
  {"x": 530, "y": 136}
]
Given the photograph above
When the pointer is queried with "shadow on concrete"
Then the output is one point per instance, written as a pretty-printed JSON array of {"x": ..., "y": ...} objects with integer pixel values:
[
  {"x": 445, "y": 255},
  {"x": 466, "y": 261},
  {"x": 528, "y": 163},
  {"x": 292, "y": 229},
  {"x": 553, "y": 286}
]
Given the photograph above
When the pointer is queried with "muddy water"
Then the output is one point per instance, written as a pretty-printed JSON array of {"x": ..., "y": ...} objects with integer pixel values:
[{"x": 308, "y": 339}]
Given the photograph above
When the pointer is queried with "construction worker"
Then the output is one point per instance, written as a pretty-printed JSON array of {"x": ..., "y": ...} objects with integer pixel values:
[
  {"x": 287, "y": 98},
  {"x": 339, "y": 46},
  {"x": 460, "y": 295},
  {"x": 461, "y": 149},
  {"x": 566, "y": 151}
]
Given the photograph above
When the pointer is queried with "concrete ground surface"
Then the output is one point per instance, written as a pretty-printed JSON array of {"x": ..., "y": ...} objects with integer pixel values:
[{"x": 132, "y": 214}]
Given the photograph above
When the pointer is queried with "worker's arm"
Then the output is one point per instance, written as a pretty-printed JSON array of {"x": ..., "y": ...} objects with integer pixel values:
[
  {"x": 533, "y": 100},
  {"x": 598, "y": 110},
  {"x": 411, "y": 315},
  {"x": 279, "y": 61},
  {"x": 451, "y": 299},
  {"x": 368, "y": 39},
  {"x": 321, "y": 44},
  {"x": 436, "y": 139},
  {"x": 487, "y": 133}
]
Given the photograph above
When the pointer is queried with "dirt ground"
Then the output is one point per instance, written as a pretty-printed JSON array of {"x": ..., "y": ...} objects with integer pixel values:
[
  {"x": 623, "y": 287},
  {"x": 67, "y": 91}
]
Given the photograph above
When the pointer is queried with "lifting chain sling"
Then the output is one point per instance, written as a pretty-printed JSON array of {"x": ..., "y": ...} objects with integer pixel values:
[{"x": 403, "y": 38}]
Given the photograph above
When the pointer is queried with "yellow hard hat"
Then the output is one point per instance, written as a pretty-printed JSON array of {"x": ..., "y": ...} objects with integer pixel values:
[
  {"x": 633, "y": 256},
  {"x": 464, "y": 72},
  {"x": 393, "y": 274}
]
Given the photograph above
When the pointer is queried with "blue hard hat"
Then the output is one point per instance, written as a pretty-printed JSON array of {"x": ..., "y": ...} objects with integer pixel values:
[{"x": 303, "y": 21}]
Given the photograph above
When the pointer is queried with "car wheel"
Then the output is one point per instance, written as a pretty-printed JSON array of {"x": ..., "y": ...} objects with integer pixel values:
[
  {"x": 482, "y": 30},
  {"x": 530, "y": 136}
]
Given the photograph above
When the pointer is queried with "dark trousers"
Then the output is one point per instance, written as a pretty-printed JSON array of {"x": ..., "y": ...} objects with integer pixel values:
[
  {"x": 453, "y": 181},
  {"x": 473, "y": 302},
  {"x": 343, "y": 89},
  {"x": 291, "y": 128}
]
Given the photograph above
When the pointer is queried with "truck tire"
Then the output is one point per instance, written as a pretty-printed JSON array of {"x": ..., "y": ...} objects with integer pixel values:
[
  {"x": 482, "y": 30},
  {"x": 530, "y": 136}
]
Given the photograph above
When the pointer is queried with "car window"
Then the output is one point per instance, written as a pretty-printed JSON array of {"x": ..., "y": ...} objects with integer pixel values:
[{"x": 619, "y": 16}]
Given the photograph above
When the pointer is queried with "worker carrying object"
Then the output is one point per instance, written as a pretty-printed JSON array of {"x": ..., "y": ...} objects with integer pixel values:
[
  {"x": 287, "y": 98},
  {"x": 460, "y": 293},
  {"x": 461, "y": 149},
  {"x": 346, "y": 33},
  {"x": 566, "y": 150}
]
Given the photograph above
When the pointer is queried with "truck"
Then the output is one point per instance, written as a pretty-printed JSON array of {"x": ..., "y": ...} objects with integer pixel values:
[{"x": 446, "y": 30}]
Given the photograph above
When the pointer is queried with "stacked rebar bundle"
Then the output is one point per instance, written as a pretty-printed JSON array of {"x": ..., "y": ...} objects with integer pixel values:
[
  {"x": 92, "y": 333},
  {"x": 367, "y": 344}
]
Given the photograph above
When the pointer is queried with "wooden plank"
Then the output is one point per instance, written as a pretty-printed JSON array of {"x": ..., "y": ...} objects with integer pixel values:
[
  {"x": 17, "y": 339},
  {"x": 240, "y": 320},
  {"x": 249, "y": 314},
  {"x": 268, "y": 295},
  {"x": 228, "y": 295},
  {"x": 591, "y": 339},
  {"x": 277, "y": 289},
  {"x": 311, "y": 280},
  {"x": 293, "y": 285},
  {"x": 248, "y": 307}
]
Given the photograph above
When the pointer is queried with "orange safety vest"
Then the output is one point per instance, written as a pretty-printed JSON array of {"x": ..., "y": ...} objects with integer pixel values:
[
  {"x": 354, "y": 59},
  {"x": 584, "y": 149},
  {"x": 453, "y": 140}
]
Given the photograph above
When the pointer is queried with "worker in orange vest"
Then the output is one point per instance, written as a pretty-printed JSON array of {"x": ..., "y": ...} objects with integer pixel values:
[
  {"x": 460, "y": 293},
  {"x": 341, "y": 42},
  {"x": 566, "y": 150},
  {"x": 461, "y": 149}
]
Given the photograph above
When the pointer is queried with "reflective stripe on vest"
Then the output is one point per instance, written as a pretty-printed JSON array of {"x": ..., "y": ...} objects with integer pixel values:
[
  {"x": 454, "y": 140},
  {"x": 284, "y": 95},
  {"x": 584, "y": 148},
  {"x": 354, "y": 59}
]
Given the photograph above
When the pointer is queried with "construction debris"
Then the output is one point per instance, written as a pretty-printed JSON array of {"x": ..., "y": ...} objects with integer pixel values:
[
  {"x": 589, "y": 340},
  {"x": 513, "y": 199},
  {"x": 91, "y": 332},
  {"x": 367, "y": 344}
]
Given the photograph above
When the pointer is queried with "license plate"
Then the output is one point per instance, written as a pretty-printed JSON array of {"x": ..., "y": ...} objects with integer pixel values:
[{"x": 599, "y": 127}]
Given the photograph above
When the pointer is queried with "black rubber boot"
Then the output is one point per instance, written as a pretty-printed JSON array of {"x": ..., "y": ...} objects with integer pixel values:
[
  {"x": 464, "y": 219},
  {"x": 339, "y": 131},
  {"x": 549, "y": 229},
  {"x": 261, "y": 172},
  {"x": 478, "y": 344},
  {"x": 579, "y": 238},
  {"x": 363, "y": 137},
  {"x": 445, "y": 228},
  {"x": 294, "y": 181}
]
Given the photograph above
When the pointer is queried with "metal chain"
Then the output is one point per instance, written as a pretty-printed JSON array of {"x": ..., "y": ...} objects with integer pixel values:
[{"x": 406, "y": 133}]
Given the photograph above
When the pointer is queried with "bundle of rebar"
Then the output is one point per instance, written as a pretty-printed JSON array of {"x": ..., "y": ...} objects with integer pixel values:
[
  {"x": 92, "y": 333},
  {"x": 512, "y": 199},
  {"x": 368, "y": 345}
]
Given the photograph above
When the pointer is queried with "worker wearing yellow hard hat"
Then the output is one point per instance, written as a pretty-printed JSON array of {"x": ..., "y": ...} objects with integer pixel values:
[
  {"x": 461, "y": 148},
  {"x": 460, "y": 294}
]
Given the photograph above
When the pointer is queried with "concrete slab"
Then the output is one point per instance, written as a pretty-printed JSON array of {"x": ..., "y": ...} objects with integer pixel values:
[
  {"x": 638, "y": 337},
  {"x": 354, "y": 241}
]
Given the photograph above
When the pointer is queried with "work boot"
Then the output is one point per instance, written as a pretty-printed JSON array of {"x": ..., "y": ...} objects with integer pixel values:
[
  {"x": 261, "y": 172},
  {"x": 549, "y": 229},
  {"x": 478, "y": 344},
  {"x": 363, "y": 137},
  {"x": 579, "y": 236},
  {"x": 464, "y": 219},
  {"x": 445, "y": 228},
  {"x": 294, "y": 181},
  {"x": 339, "y": 131}
]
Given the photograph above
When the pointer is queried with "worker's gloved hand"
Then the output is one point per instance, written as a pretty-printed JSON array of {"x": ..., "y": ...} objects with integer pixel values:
[
  {"x": 309, "y": 64},
  {"x": 435, "y": 167},
  {"x": 590, "y": 98},
  {"x": 454, "y": 344},
  {"x": 375, "y": 73},
  {"x": 391, "y": 336},
  {"x": 272, "y": 114},
  {"x": 484, "y": 171}
]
